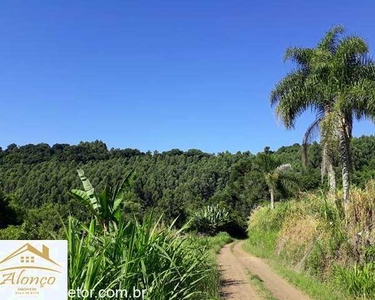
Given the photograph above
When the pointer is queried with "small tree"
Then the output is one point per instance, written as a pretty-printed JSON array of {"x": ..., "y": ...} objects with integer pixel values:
[{"x": 276, "y": 176}]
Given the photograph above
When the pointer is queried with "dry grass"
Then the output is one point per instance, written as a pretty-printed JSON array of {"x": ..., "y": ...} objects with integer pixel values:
[
  {"x": 297, "y": 238},
  {"x": 312, "y": 234},
  {"x": 361, "y": 219}
]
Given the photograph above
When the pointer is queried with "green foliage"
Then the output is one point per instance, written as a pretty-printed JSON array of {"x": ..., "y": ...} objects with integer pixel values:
[
  {"x": 264, "y": 225},
  {"x": 209, "y": 219},
  {"x": 145, "y": 255},
  {"x": 13, "y": 233},
  {"x": 309, "y": 235},
  {"x": 212, "y": 243},
  {"x": 370, "y": 255},
  {"x": 278, "y": 177},
  {"x": 44, "y": 223},
  {"x": 107, "y": 206},
  {"x": 174, "y": 183},
  {"x": 336, "y": 81},
  {"x": 358, "y": 280},
  {"x": 9, "y": 211}
]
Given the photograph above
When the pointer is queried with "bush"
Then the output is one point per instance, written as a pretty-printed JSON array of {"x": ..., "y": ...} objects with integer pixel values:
[
  {"x": 213, "y": 243},
  {"x": 13, "y": 233},
  {"x": 209, "y": 220},
  {"x": 264, "y": 225}
]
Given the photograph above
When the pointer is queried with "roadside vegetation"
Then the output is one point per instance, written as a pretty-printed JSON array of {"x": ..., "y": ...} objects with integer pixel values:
[
  {"x": 112, "y": 253},
  {"x": 166, "y": 263},
  {"x": 306, "y": 238}
]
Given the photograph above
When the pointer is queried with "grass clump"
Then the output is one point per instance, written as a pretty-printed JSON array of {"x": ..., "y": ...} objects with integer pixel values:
[
  {"x": 359, "y": 280},
  {"x": 257, "y": 283},
  {"x": 264, "y": 226},
  {"x": 164, "y": 262}
]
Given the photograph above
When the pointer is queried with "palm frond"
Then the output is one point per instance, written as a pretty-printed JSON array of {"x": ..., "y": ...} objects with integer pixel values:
[
  {"x": 283, "y": 168},
  {"x": 289, "y": 182},
  {"x": 300, "y": 56},
  {"x": 330, "y": 40},
  {"x": 351, "y": 47},
  {"x": 312, "y": 131},
  {"x": 360, "y": 98},
  {"x": 291, "y": 97}
]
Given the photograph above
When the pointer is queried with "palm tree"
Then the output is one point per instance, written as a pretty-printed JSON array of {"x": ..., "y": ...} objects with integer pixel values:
[
  {"x": 336, "y": 81},
  {"x": 107, "y": 205},
  {"x": 293, "y": 95},
  {"x": 345, "y": 76},
  {"x": 277, "y": 176}
]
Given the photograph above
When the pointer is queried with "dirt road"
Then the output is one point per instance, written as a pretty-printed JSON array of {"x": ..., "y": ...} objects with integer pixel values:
[{"x": 237, "y": 266}]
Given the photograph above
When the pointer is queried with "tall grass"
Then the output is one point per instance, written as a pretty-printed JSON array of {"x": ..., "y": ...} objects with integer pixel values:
[
  {"x": 311, "y": 236},
  {"x": 164, "y": 262},
  {"x": 359, "y": 280}
]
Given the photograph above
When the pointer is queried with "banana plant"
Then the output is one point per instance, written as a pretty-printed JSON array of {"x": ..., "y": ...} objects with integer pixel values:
[{"x": 106, "y": 205}]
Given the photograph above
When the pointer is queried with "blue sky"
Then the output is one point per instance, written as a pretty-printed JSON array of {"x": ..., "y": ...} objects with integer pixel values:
[{"x": 158, "y": 74}]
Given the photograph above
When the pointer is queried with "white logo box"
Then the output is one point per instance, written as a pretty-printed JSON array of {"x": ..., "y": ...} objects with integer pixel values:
[{"x": 33, "y": 270}]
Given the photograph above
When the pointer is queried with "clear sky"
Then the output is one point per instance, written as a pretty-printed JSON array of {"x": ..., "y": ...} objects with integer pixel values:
[{"x": 158, "y": 74}]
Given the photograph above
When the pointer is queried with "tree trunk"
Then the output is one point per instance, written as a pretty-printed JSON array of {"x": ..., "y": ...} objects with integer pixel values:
[
  {"x": 323, "y": 168},
  {"x": 345, "y": 161},
  {"x": 331, "y": 178},
  {"x": 272, "y": 198},
  {"x": 327, "y": 168},
  {"x": 327, "y": 162}
]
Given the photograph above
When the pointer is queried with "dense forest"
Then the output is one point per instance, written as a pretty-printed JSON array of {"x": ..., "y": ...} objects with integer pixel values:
[{"x": 38, "y": 179}]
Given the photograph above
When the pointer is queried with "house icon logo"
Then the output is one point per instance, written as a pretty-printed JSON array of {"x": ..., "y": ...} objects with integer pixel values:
[
  {"x": 33, "y": 270},
  {"x": 28, "y": 255}
]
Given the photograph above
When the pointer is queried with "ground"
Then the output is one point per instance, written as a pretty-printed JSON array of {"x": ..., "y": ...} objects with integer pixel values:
[{"x": 237, "y": 267}]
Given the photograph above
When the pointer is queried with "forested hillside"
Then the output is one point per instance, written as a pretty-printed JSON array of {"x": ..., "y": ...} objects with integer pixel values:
[{"x": 173, "y": 182}]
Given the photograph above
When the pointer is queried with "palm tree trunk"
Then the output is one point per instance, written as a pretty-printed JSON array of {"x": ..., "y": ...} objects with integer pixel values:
[
  {"x": 344, "y": 142},
  {"x": 327, "y": 168},
  {"x": 331, "y": 178},
  {"x": 272, "y": 198},
  {"x": 327, "y": 157},
  {"x": 323, "y": 168}
]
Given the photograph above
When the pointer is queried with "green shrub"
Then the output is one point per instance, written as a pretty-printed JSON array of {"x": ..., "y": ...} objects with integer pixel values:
[
  {"x": 209, "y": 220},
  {"x": 13, "y": 233},
  {"x": 213, "y": 243},
  {"x": 264, "y": 225}
]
